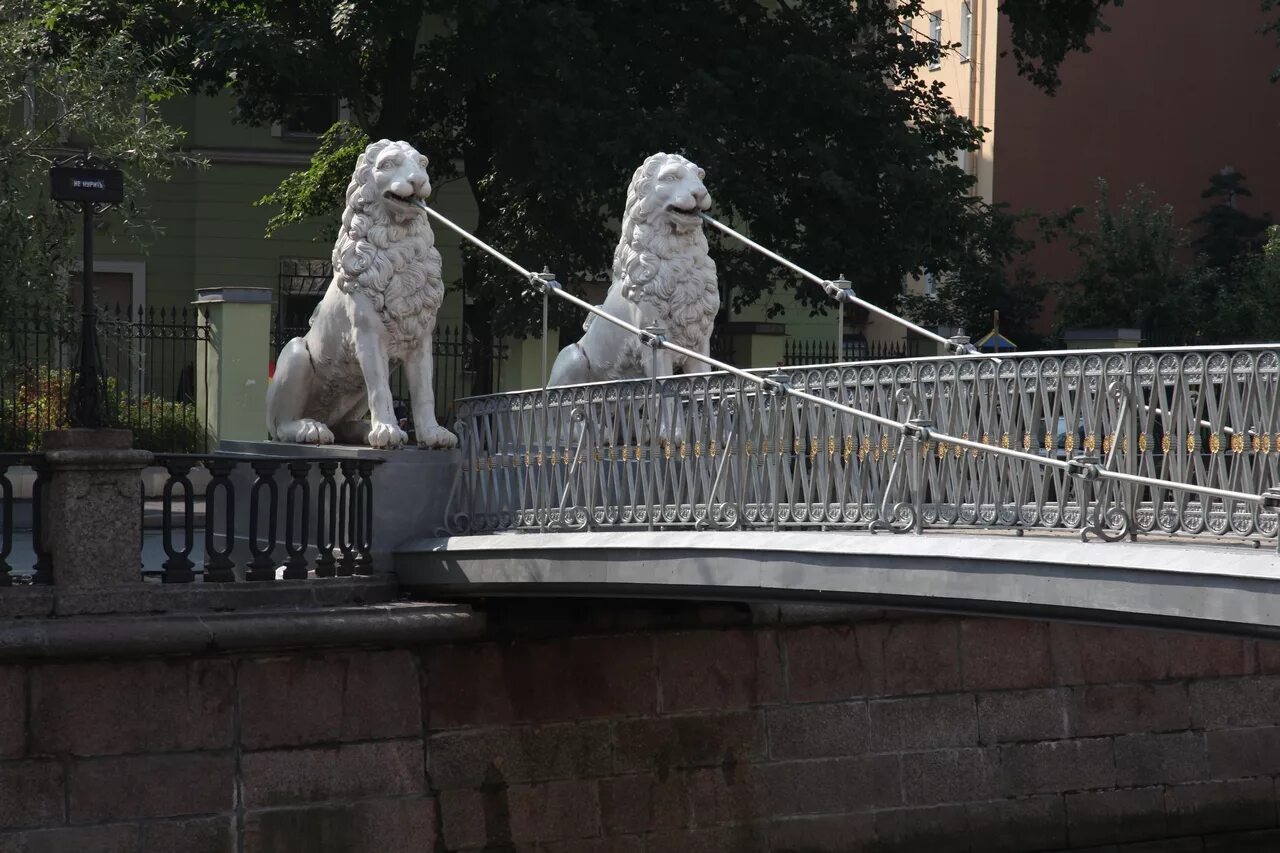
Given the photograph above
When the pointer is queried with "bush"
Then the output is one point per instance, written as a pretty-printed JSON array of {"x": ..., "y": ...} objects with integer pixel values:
[{"x": 39, "y": 403}]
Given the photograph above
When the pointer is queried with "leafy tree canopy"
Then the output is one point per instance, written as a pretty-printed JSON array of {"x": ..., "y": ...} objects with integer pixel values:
[
  {"x": 1228, "y": 233},
  {"x": 992, "y": 278},
  {"x": 1131, "y": 275},
  {"x": 62, "y": 92},
  {"x": 811, "y": 119}
]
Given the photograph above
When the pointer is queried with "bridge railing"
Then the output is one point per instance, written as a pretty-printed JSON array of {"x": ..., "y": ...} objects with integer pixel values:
[
  {"x": 1177, "y": 441},
  {"x": 1171, "y": 441}
]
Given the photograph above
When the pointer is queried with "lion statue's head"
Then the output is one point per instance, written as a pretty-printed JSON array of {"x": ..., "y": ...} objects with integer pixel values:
[
  {"x": 389, "y": 180},
  {"x": 667, "y": 194},
  {"x": 383, "y": 217},
  {"x": 662, "y": 253}
]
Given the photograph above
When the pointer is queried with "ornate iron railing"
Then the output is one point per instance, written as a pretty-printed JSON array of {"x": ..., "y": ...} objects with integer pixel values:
[
  {"x": 1111, "y": 442},
  {"x": 898, "y": 446}
]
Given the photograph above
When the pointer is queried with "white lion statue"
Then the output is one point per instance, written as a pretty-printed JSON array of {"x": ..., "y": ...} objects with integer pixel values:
[
  {"x": 662, "y": 276},
  {"x": 380, "y": 307}
]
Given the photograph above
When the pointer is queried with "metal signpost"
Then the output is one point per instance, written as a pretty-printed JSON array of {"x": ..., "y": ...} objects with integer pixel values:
[{"x": 94, "y": 187}]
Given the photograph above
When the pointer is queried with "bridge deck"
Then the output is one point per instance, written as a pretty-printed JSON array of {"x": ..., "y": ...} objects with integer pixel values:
[{"x": 1227, "y": 586}]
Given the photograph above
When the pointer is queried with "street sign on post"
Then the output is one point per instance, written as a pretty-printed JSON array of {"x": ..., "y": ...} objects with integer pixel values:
[
  {"x": 87, "y": 185},
  {"x": 81, "y": 181}
]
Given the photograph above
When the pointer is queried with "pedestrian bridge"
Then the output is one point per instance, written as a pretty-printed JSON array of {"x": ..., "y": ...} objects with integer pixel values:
[
  {"x": 1128, "y": 485},
  {"x": 1132, "y": 486}
]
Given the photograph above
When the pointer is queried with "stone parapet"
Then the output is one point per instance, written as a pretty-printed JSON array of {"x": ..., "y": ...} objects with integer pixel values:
[
  {"x": 544, "y": 726},
  {"x": 93, "y": 518}
]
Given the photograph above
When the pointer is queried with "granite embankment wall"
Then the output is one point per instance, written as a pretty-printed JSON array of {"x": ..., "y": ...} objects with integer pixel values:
[{"x": 664, "y": 729}]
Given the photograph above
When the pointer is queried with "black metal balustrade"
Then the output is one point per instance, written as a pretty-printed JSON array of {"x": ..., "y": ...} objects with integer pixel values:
[
  {"x": 9, "y": 502},
  {"x": 330, "y": 536}
]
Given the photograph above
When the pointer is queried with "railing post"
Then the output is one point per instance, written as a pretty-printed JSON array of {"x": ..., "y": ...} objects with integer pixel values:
[
  {"x": 297, "y": 520},
  {"x": 218, "y": 566},
  {"x": 44, "y": 560},
  {"x": 178, "y": 565},
  {"x": 6, "y": 524},
  {"x": 262, "y": 565},
  {"x": 347, "y": 513},
  {"x": 779, "y": 389},
  {"x": 326, "y": 520},
  {"x": 364, "y": 518},
  {"x": 655, "y": 335}
]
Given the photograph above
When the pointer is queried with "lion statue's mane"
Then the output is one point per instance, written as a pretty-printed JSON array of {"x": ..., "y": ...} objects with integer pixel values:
[
  {"x": 669, "y": 270},
  {"x": 375, "y": 254}
]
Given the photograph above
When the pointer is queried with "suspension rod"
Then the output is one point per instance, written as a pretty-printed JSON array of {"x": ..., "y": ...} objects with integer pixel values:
[
  {"x": 846, "y": 295},
  {"x": 1072, "y": 467}
]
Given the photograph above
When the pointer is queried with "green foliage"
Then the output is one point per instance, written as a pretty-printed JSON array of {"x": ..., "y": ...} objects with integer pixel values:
[
  {"x": 1130, "y": 274},
  {"x": 1043, "y": 32},
  {"x": 811, "y": 119},
  {"x": 64, "y": 89},
  {"x": 308, "y": 195},
  {"x": 39, "y": 403},
  {"x": 1246, "y": 297},
  {"x": 1229, "y": 234},
  {"x": 992, "y": 278}
]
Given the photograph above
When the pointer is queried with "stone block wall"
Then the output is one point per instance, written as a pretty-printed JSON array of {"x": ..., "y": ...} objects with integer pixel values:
[
  {"x": 921, "y": 734},
  {"x": 301, "y": 752},
  {"x": 903, "y": 733}
]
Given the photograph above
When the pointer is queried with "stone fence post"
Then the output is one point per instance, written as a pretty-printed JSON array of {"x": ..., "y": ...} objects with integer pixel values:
[
  {"x": 234, "y": 362},
  {"x": 93, "y": 507}
]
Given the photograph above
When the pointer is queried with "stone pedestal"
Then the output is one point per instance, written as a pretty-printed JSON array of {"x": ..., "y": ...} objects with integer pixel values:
[
  {"x": 93, "y": 516},
  {"x": 411, "y": 490},
  {"x": 235, "y": 362}
]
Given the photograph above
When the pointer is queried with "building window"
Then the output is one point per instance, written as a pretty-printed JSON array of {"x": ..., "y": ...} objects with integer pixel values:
[
  {"x": 930, "y": 282},
  {"x": 966, "y": 30},
  {"x": 935, "y": 36}
]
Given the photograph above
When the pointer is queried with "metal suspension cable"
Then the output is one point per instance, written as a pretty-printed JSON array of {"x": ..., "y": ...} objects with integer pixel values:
[
  {"x": 916, "y": 429},
  {"x": 840, "y": 294}
]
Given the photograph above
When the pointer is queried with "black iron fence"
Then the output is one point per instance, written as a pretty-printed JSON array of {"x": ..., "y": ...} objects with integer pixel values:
[
  {"x": 148, "y": 356},
  {"x": 463, "y": 366},
  {"x": 802, "y": 352},
  {"x": 301, "y": 516},
  {"x": 222, "y": 518}
]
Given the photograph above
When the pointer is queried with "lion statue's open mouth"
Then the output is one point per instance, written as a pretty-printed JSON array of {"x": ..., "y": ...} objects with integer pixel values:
[{"x": 380, "y": 307}]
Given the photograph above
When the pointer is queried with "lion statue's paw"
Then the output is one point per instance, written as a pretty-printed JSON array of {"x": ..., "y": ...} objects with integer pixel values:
[
  {"x": 386, "y": 436},
  {"x": 305, "y": 431},
  {"x": 437, "y": 437}
]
